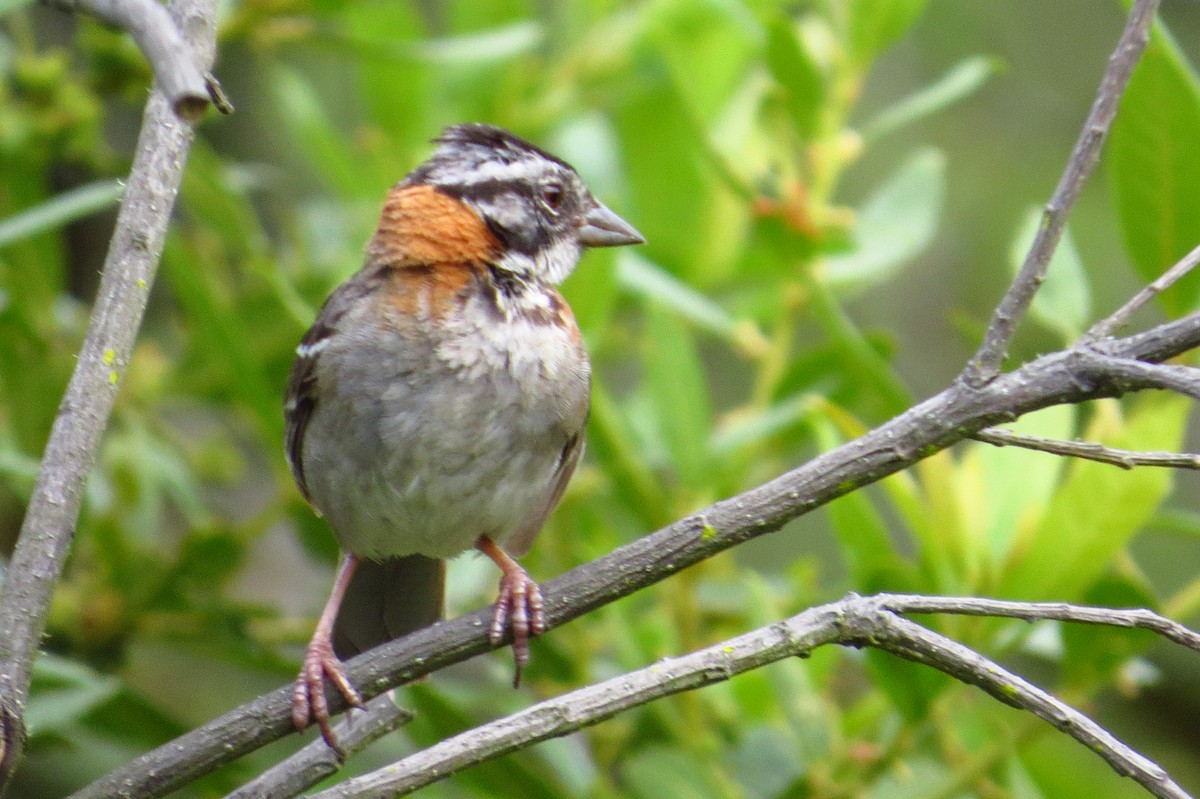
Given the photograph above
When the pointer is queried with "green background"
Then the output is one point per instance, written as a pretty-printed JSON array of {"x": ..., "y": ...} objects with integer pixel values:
[{"x": 834, "y": 196}]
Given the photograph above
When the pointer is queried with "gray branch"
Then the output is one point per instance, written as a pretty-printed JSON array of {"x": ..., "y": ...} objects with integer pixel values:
[
  {"x": 854, "y": 621},
  {"x": 182, "y": 72},
  {"x": 985, "y": 364},
  {"x": 316, "y": 761},
  {"x": 129, "y": 270},
  {"x": 1128, "y": 618},
  {"x": 1088, "y": 450},
  {"x": 1119, "y": 317}
]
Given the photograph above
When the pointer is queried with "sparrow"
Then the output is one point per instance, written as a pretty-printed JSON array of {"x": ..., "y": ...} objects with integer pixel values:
[{"x": 438, "y": 402}]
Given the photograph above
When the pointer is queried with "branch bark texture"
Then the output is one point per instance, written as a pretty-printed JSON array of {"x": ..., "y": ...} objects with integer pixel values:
[{"x": 129, "y": 270}]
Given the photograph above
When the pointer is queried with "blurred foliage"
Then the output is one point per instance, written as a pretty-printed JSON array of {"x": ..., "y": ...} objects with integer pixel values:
[{"x": 789, "y": 166}]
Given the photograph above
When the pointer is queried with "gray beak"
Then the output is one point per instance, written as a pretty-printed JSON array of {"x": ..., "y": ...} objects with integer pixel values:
[{"x": 603, "y": 228}]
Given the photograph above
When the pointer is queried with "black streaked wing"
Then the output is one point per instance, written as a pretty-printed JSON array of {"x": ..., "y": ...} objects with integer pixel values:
[
  {"x": 302, "y": 399},
  {"x": 302, "y": 389}
]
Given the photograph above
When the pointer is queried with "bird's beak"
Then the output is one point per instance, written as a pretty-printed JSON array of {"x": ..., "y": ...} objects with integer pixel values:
[{"x": 603, "y": 228}]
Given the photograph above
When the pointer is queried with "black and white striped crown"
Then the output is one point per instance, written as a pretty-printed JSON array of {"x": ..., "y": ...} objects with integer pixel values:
[{"x": 476, "y": 154}]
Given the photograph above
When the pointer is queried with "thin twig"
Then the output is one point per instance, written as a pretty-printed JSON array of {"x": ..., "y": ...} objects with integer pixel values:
[
  {"x": 316, "y": 761},
  {"x": 1130, "y": 618},
  {"x": 853, "y": 621},
  {"x": 1105, "y": 327},
  {"x": 129, "y": 270},
  {"x": 985, "y": 364},
  {"x": 928, "y": 427},
  {"x": 1088, "y": 450},
  {"x": 178, "y": 69}
]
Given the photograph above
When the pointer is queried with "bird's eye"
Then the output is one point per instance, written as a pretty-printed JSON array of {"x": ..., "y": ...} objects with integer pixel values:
[{"x": 552, "y": 195}]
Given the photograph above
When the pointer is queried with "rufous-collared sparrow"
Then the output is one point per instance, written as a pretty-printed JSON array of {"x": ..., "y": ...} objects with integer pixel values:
[{"x": 438, "y": 402}]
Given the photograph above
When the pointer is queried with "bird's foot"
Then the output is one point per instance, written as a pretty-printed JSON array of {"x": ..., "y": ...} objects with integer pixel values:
[
  {"x": 308, "y": 697},
  {"x": 520, "y": 607}
]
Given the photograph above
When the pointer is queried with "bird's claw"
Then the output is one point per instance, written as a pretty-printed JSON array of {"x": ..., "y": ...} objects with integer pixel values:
[
  {"x": 519, "y": 606},
  {"x": 308, "y": 697}
]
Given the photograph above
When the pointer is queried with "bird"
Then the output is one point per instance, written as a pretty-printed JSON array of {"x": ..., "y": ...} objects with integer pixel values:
[{"x": 438, "y": 402}]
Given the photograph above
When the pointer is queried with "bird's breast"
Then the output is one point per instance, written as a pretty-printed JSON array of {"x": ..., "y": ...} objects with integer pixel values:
[{"x": 457, "y": 426}]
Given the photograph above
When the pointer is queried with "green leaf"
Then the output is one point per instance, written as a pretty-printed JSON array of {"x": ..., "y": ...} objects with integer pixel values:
[
  {"x": 613, "y": 443},
  {"x": 1064, "y": 301},
  {"x": 747, "y": 430},
  {"x": 62, "y": 209},
  {"x": 1177, "y": 521},
  {"x": 64, "y": 692},
  {"x": 911, "y": 687},
  {"x": 1019, "y": 784},
  {"x": 1009, "y": 488},
  {"x": 764, "y": 762},
  {"x": 793, "y": 66},
  {"x": 678, "y": 203},
  {"x": 325, "y": 147},
  {"x": 643, "y": 278},
  {"x": 873, "y": 25},
  {"x": 1099, "y": 507},
  {"x": 705, "y": 46},
  {"x": 961, "y": 81},
  {"x": 1152, "y": 158},
  {"x": 679, "y": 395},
  {"x": 657, "y": 772},
  {"x": 485, "y": 47},
  {"x": 1094, "y": 652},
  {"x": 895, "y": 225},
  {"x": 1062, "y": 769}
]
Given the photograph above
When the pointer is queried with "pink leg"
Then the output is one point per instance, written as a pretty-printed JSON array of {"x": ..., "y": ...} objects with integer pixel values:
[
  {"x": 519, "y": 604},
  {"x": 308, "y": 697}
]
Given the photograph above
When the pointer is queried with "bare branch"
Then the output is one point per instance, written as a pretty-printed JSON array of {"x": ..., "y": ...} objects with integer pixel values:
[
  {"x": 178, "y": 68},
  {"x": 129, "y": 270},
  {"x": 985, "y": 364},
  {"x": 1088, "y": 450},
  {"x": 853, "y": 621},
  {"x": 913, "y": 642},
  {"x": 1132, "y": 618},
  {"x": 1105, "y": 327},
  {"x": 316, "y": 761}
]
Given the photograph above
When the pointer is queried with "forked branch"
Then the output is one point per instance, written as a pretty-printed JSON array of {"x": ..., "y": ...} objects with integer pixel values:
[
  {"x": 986, "y": 362},
  {"x": 182, "y": 74},
  {"x": 854, "y": 621}
]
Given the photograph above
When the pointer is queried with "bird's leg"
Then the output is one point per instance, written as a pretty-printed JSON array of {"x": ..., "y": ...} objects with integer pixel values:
[
  {"x": 308, "y": 697},
  {"x": 519, "y": 605}
]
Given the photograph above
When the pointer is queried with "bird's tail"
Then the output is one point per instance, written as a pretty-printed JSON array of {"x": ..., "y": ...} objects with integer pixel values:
[{"x": 388, "y": 599}]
